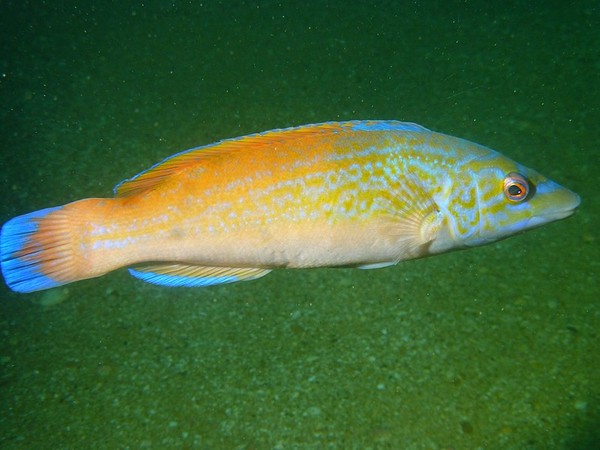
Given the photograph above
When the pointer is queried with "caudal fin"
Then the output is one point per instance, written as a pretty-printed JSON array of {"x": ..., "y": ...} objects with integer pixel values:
[{"x": 36, "y": 251}]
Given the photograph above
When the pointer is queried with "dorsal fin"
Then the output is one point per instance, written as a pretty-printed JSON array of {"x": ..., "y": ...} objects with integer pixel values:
[
  {"x": 149, "y": 178},
  {"x": 385, "y": 125}
]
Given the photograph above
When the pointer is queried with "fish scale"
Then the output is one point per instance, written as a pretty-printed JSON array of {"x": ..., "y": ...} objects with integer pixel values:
[{"x": 362, "y": 194}]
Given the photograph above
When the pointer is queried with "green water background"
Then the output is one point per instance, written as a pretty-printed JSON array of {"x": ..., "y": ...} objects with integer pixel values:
[{"x": 492, "y": 348}]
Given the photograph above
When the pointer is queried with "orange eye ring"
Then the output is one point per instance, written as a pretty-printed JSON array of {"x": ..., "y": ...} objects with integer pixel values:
[{"x": 516, "y": 187}]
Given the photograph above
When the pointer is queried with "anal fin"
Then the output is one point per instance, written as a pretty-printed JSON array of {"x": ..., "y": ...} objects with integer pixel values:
[{"x": 189, "y": 275}]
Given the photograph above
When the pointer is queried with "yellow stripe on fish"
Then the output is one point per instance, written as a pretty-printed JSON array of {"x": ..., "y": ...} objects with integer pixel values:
[{"x": 349, "y": 194}]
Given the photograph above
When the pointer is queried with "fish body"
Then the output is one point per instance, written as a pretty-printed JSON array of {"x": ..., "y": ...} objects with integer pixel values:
[{"x": 341, "y": 194}]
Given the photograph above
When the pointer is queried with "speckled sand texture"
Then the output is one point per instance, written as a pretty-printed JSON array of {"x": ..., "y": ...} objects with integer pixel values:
[{"x": 491, "y": 348}]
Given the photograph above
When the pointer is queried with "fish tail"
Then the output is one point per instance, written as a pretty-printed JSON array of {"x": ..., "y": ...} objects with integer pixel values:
[{"x": 37, "y": 250}]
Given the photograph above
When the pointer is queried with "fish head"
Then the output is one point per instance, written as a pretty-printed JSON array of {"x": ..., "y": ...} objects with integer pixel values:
[{"x": 497, "y": 197}]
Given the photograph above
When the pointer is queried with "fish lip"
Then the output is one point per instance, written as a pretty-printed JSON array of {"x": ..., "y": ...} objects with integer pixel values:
[
  {"x": 557, "y": 215},
  {"x": 563, "y": 213}
]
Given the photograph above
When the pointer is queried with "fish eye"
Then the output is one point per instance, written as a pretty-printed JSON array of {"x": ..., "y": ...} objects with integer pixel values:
[{"x": 516, "y": 187}]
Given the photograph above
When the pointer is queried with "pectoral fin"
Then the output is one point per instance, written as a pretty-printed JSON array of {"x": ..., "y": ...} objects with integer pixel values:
[{"x": 410, "y": 217}]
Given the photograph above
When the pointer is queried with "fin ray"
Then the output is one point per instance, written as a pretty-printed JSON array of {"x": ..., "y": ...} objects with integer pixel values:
[
  {"x": 149, "y": 178},
  {"x": 35, "y": 251},
  {"x": 412, "y": 217},
  {"x": 188, "y": 275}
]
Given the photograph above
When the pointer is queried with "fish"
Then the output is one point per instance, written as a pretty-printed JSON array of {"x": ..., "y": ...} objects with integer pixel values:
[{"x": 363, "y": 193}]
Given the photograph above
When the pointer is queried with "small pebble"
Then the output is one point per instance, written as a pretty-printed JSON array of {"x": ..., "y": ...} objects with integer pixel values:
[
  {"x": 466, "y": 426},
  {"x": 580, "y": 405},
  {"x": 52, "y": 297},
  {"x": 313, "y": 411}
]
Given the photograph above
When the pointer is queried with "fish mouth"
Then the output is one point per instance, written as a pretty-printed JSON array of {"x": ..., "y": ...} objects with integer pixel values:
[
  {"x": 567, "y": 210},
  {"x": 564, "y": 204},
  {"x": 551, "y": 203}
]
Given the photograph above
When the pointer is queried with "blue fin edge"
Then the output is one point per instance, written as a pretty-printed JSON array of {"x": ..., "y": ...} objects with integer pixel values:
[
  {"x": 180, "y": 280},
  {"x": 23, "y": 274}
]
